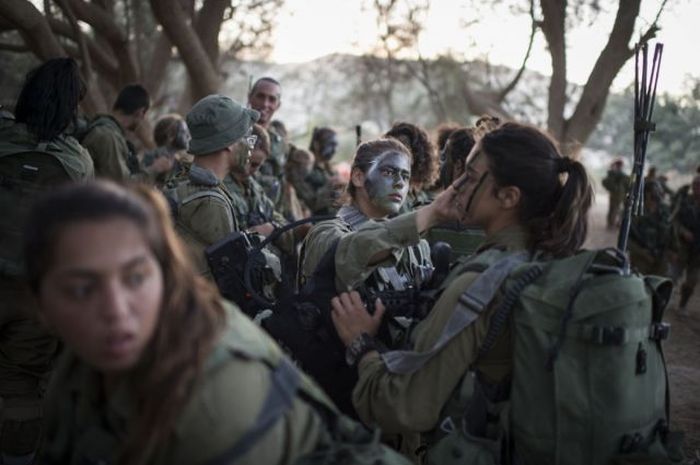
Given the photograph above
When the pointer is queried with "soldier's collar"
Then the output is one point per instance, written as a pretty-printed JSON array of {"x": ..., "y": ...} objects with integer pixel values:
[
  {"x": 203, "y": 176},
  {"x": 352, "y": 216}
]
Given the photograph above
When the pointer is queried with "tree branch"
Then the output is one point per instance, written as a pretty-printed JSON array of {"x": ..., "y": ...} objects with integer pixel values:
[
  {"x": 595, "y": 92},
  {"x": 96, "y": 101},
  {"x": 533, "y": 30},
  {"x": 33, "y": 28},
  {"x": 203, "y": 72},
  {"x": 104, "y": 62},
  {"x": 104, "y": 25}
]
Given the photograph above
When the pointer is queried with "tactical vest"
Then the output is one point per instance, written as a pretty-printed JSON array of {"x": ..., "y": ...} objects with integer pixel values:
[
  {"x": 589, "y": 382},
  {"x": 249, "y": 203},
  {"x": 28, "y": 169}
]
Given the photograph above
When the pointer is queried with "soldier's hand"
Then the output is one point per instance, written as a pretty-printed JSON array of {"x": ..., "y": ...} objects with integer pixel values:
[
  {"x": 351, "y": 318},
  {"x": 448, "y": 206},
  {"x": 264, "y": 229}
]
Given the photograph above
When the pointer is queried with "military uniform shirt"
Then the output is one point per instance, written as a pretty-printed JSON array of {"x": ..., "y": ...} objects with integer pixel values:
[
  {"x": 108, "y": 148},
  {"x": 356, "y": 248},
  {"x": 83, "y": 427},
  {"x": 414, "y": 402}
]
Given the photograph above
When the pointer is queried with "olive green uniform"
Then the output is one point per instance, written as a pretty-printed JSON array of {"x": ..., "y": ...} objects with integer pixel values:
[
  {"x": 316, "y": 190},
  {"x": 359, "y": 239},
  {"x": 110, "y": 151},
  {"x": 615, "y": 183},
  {"x": 205, "y": 213},
  {"x": 83, "y": 427},
  {"x": 271, "y": 173},
  {"x": 650, "y": 239},
  {"x": 27, "y": 350},
  {"x": 415, "y": 402},
  {"x": 253, "y": 207},
  {"x": 688, "y": 218}
]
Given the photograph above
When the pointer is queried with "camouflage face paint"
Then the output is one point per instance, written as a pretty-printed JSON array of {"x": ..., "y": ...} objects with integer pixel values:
[
  {"x": 387, "y": 181},
  {"x": 241, "y": 156}
]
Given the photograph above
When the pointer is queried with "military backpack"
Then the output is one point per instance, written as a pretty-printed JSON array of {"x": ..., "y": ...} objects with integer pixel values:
[
  {"x": 589, "y": 382},
  {"x": 27, "y": 170}
]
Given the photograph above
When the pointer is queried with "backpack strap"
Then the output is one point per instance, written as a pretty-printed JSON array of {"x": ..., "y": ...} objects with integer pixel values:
[
  {"x": 285, "y": 382},
  {"x": 470, "y": 306}
]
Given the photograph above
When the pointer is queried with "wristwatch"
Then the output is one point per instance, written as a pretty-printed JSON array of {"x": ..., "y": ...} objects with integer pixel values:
[{"x": 360, "y": 346}]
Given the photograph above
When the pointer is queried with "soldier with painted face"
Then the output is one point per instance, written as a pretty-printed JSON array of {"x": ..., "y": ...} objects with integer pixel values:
[
  {"x": 254, "y": 209},
  {"x": 372, "y": 251},
  {"x": 424, "y": 169},
  {"x": 320, "y": 189},
  {"x": 221, "y": 142}
]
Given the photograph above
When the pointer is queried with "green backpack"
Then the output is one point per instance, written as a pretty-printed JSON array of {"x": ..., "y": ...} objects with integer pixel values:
[
  {"x": 27, "y": 170},
  {"x": 589, "y": 383}
]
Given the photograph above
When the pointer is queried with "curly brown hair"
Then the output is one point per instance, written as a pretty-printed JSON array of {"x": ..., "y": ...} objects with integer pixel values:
[
  {"x": 424, "y": 169},
  {"x": 190, "y": 317}
]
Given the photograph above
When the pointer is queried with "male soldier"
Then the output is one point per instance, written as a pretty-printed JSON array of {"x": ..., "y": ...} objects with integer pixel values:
[
  {"x": 615, "y": 183},
  {"x": 35, "y": 157},
  {"x": 221, "y": 140},
  {"x": 265, "y": 98},
  {"x": 688, "y": 225},
  {"x": 113, "y": 155}
]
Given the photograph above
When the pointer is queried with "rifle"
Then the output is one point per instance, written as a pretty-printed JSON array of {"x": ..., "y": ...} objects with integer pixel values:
[
  {"x": 358, "y": 134},
  {"x": 645, "y": 82}
]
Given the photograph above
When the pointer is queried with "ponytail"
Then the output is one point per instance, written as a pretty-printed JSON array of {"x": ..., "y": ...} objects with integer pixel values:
[{"x": 556, "y": 194}]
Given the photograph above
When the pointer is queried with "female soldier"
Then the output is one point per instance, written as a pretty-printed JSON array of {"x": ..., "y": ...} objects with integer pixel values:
[
  {"x": 169, "y": 159},
  {"x": 370, "y": 252},
  {"x": 158, "y": 369},
  {"x": 319, "y": 189},
  {"x": 514, "y": 190},
  {"x": 424, "y": 168}
]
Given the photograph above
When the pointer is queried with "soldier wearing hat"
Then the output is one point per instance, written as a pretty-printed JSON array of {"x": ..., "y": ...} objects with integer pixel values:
[{"x": 221, "y": 141}]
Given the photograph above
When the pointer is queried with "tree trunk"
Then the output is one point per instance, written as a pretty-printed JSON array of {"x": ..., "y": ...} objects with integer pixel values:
[
  {"x": 204, "y": 74},
  {"x": 589, "y": 109},
  {"x": 553, "y": 26}
]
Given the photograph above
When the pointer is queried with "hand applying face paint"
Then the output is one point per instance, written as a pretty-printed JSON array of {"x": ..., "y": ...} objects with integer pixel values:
[{"x": 387, "y": 181}]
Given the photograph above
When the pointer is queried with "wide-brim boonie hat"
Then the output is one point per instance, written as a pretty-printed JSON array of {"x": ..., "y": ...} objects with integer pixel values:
[{"x": 216, "y": 121}]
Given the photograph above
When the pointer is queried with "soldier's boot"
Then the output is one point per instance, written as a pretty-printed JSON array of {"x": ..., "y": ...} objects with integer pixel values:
[{"x": 20, "y": 430}]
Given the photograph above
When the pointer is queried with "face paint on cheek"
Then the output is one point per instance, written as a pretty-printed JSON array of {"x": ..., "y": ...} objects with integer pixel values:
[
  {"x": 241, "y": 154},
  {"x": 388, "y": 191}
]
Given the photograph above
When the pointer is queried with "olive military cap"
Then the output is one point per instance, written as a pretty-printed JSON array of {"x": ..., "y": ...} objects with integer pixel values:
[{"x": 216, "y": 121}]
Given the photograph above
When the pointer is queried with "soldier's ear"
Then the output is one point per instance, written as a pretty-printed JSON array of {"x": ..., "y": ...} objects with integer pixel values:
[
  {"x": 357, "y": 177},
  {"x": 509, "y": 197}
]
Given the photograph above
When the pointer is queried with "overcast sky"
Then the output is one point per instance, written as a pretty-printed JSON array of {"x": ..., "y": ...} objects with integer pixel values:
[{"x": 309, "y": 29}]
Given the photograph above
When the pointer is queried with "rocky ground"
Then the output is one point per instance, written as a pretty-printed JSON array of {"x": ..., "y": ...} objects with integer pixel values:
[{"x": 682, "y": 349}]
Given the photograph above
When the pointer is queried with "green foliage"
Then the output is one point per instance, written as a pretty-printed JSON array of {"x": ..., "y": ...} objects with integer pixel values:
[{"x": 676, "y": 142}]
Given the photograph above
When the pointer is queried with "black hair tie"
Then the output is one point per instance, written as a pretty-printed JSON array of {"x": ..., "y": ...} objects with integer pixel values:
[{"x": 564, "y": 164}]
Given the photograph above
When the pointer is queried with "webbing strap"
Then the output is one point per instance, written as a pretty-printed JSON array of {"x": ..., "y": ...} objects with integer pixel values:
[
  {"x": 284, "y": 383},
  {"x": 470, "y": 305},
  {"x": 200, "y": 194}
]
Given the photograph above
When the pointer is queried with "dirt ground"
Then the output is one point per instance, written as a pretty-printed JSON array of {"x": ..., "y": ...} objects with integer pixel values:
[{"x": 682, "y": 349}]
